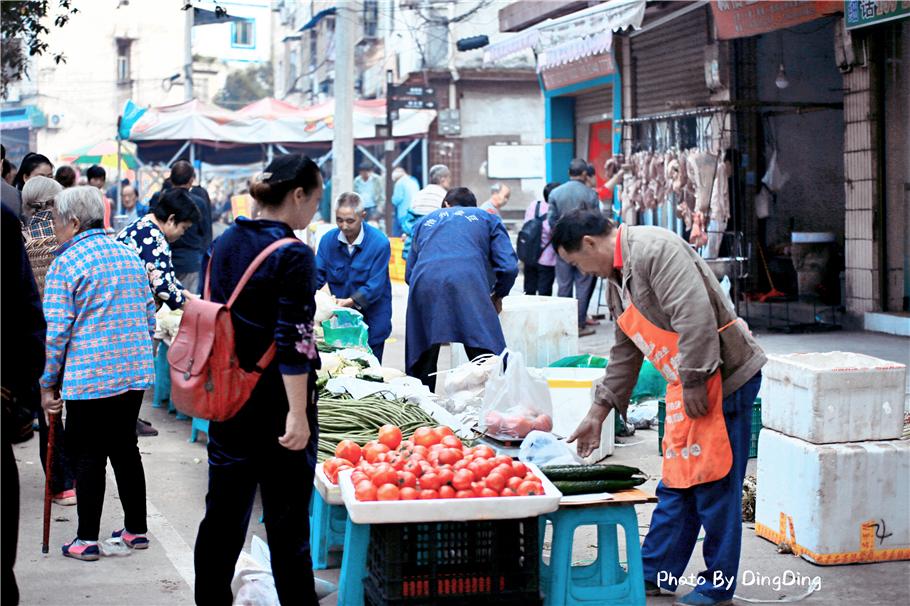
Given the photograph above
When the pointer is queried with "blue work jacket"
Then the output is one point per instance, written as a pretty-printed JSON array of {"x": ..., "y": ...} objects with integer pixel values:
[{"x": 362, "y": 276}]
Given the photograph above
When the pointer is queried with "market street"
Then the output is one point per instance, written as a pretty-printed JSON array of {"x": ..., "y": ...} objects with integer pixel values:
[{"x": 176, "y": 473}]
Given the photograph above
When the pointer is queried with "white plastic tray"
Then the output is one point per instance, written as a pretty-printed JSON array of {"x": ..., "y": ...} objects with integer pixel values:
[
  {"x": 330, "y": 493},
  {"x": 448, "y": 510}
]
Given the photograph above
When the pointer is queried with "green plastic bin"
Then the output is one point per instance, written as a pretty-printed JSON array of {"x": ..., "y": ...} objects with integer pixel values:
[{"x": 756, "y": 426}]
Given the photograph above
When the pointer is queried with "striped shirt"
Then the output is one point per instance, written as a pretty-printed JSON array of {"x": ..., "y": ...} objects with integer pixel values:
[{"x": 100, "y": 319}]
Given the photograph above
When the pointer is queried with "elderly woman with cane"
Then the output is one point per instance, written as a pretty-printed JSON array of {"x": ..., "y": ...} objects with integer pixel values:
[{"x": 100, "y": 321}]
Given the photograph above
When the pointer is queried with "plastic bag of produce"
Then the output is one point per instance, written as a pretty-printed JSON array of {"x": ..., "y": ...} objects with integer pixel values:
[
  {"x": 580, "y": 361},
  {"x": 514, "y": 401},
  {"x": 346, "y": 329},
  {"x": 543, "y": 448}
]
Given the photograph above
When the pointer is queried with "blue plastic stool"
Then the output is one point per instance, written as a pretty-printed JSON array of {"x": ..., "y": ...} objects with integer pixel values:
[
  {"x": 605, "y": 581},
  {"x": 162, "y": 378},
  {"x": 327, "y": 529},
  {"x": 353, "y": 564},
  {"x": 197, "y": 426}
]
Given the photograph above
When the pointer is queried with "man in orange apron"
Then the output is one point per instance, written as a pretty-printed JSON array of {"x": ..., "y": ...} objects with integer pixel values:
[{"x": 669, "y": 307}]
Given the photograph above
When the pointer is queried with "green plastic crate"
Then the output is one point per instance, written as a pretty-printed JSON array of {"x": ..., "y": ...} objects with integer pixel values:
[{"x": 756, "y": 426}]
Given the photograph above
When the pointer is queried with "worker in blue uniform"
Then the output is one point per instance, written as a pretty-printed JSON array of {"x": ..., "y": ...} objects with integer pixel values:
[
  {"x": 353, "y": 260},
  {"x": 454, "y": 250}
]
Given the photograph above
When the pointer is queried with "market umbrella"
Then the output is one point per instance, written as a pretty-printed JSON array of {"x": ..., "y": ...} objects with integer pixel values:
[{"x": 104, "y": 153}]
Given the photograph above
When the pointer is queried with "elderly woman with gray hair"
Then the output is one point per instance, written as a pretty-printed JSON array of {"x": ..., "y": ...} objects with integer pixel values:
[{"x": 100, "y": 321}]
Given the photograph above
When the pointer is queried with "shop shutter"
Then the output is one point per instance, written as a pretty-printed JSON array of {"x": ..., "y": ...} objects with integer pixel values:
[
  {"x": 668, "y": 65},
  {"x": 594, "y": 106}
]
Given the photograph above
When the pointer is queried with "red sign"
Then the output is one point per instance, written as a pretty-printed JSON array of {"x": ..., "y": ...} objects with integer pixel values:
[
  {"x": 582, "y": 70},
  {"x": 742, "y": 18}
]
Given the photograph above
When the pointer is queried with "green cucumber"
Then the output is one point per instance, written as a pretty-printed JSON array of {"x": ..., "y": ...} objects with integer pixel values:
[
  {"x": 568, "y": 488},
  {"x": 589, "y": 472}
]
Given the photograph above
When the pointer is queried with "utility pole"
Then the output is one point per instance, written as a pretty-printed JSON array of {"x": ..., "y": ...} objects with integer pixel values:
[
  {"x": 188, "y": 54},
  {"x": 343, "y": 141}
]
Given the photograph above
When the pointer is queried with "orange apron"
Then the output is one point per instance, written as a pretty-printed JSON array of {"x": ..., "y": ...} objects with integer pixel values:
[{"x": 696, "y": 451}]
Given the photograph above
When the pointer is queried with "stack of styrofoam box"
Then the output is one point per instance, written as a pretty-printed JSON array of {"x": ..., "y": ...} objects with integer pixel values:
[{"x": 833, "y": 475}]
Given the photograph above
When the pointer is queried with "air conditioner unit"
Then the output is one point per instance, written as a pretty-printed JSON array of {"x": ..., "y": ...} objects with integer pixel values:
[{"x": 55, "y": 121}]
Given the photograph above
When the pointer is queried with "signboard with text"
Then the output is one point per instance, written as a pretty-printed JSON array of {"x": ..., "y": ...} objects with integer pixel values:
[
  {"x": 743, "y": 18},
  {"x": 582, "y": 70},
  {"x": 860, "y": 13}
]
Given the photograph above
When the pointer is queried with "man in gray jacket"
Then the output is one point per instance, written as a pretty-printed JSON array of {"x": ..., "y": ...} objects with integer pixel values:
[
  {"x": 572, "y": 195},
  {"x": 668, "y": 306}
]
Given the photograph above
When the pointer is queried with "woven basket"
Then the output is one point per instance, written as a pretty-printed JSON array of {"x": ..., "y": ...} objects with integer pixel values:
[{"x": 40, "y": 253}]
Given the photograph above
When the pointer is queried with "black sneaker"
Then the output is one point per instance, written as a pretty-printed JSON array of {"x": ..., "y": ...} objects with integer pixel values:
[{"x": 145, "y": 429}]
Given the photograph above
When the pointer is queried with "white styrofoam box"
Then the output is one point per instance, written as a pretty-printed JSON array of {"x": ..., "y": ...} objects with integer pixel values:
[
  {"x": 827, "y": 500},
  {"x": 330, "y": 493},
  {"x": 448, "y": 510},
  {"x": 833, "y": 397},
  {"x": 543, "y": 329},
  {"x": 572, "y": 392}
]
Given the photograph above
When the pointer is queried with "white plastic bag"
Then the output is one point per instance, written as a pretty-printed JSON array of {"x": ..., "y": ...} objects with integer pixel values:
[
  {"x": 775, "y": 178},
  {"x": 253, "y": 583},
  {"x": 514, "y": 401},
  {"x": 542, "y": 448}
]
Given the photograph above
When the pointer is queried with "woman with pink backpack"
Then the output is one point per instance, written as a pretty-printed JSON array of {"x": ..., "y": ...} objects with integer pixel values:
[{"x": 271, "y": 441}]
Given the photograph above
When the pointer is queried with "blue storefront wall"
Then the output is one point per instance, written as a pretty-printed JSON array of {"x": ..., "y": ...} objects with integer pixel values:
[{"x": 559, "y": 127}]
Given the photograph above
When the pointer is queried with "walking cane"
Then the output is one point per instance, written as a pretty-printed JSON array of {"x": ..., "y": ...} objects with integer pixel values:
[{"x": 48, "y": 470}]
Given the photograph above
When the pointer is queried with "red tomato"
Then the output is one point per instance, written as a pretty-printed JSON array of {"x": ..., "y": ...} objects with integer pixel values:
[
  {"x": 429, "y": 481},
  {"x": 496, "y": 481},
  {"x": 330, "y": 465},
  {"x": 334, "y": 477},
  {"x": 508, "y": 492},
  {"x": 406, "y": 447},
  {"x": 348, "y": 449},
  {"x": 502, "y": 460},
  {"x": 390, "y": 435},
  {"x": 385, "y": 474},
  {"x": 358, "y": 476},
  {"x": 413, "y": 466},
  {"x": 421, "y": 450},
  {"x": 365, "y": 491},
  {"x": 426, "y": 494},
  {"x": 437, "y": 448},
  {"x": 488, "y": 492},
  {"x": 519, "y": 468},
  {"x": 443, "y": 431},
  {"x": 504, "y": 470},
  {"x": 446, "y": 492},
  {"x": 382, "y": 457},
  {"x": 387, "y": 492},
  {"x": 529, "y": 489},
  {"x": 464, "y": 494},
  {"x": 408, "y": 494},
  {"x": 451, "y": 441},
  {"x": 460, "y": 464},
  {"x": 477, "y": 468},
  {"x": 462, "y": 479},
  {"x": 514, "y": 482},
  {"x": 372, "y": 451},
  {"x": 445, "y": 476},
  {"x": 407, "y": 479},
  {"x": 484, "y": 452},
  {"x": 449, "y": 456},
  {"x": 543, "y": 423},
  {"x": 425, "y": 437}
]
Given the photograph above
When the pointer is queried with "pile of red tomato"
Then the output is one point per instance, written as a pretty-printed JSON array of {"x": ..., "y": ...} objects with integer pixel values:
[{"x": 433, "y": 464}]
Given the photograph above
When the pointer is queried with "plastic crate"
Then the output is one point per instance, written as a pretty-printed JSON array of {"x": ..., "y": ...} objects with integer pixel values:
[
  {"x": 484, "y": 562},
  {"x": 756, "y": 426}
]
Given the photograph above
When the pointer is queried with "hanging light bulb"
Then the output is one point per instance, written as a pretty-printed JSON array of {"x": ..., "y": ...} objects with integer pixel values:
[{"x": 781, "y": 81}]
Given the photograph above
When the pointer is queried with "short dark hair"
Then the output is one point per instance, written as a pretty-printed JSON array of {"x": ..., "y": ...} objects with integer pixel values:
[
  {"x": 66, "y": 176},
  {"x": 177, "y": 202},
  {"x": 578, "y": 223},
  {"x": 591, "y": 171},
  {"x": 366, "y": 165},
  {"x": 284, "y": 174},
  {"x": 460, "y": 196},
  {"x": 577, "y": 167},
  {"x": 549, "y": 188},
  {"x": 7, "y": 167},
  {"x": 182, "y": 173},
  {"x": 96, "y": 172}
]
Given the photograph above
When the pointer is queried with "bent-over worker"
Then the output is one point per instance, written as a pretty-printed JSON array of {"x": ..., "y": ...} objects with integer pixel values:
[
  {"x": 353, "y": 260},
  {"x": 454, "y": 252},
  {"x": 669, "y": 306}
]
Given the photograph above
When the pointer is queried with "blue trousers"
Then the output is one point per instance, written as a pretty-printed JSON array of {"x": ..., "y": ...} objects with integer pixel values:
[
  {"x": 716, "y": 506},
  {"x": 378, "y": 349}
]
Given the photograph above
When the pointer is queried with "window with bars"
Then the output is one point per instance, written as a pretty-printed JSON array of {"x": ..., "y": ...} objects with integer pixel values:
[
  {"x": 124, "y": 47},
  {"x": 370, "y": 18},
  {"x": 243, "y": 34}
]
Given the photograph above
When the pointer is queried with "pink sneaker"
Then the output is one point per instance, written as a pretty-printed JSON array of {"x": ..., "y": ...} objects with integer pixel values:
[
  {"x": 136, "y": 541},
  {"x": 80, "y": 550},
  {"x": 67, "y": 497}
]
